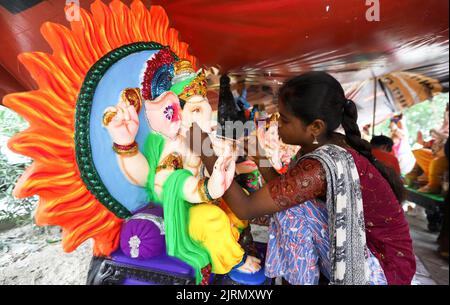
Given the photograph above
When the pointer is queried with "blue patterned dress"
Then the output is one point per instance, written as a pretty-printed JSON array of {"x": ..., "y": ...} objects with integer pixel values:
[{"x": 298, "y": 247}]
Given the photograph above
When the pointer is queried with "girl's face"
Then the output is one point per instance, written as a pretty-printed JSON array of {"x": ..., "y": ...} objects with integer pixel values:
[{"x": 291, "y": 129}]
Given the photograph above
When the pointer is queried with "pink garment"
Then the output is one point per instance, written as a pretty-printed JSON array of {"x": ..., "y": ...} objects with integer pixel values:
[
  {"x": 387, "y": 231},
  {"x": 402, "y": 149}
]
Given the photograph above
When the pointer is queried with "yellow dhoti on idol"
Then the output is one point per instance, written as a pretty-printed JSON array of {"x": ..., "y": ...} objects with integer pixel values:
[
  {"x": 218, "y": 233},
  {"x": 433, "y": 165}
]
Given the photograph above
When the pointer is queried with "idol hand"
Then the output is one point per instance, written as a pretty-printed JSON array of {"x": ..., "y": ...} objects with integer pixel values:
[
  {"x": 222, "y": 175},
  {"x": 123, "y": 127}
]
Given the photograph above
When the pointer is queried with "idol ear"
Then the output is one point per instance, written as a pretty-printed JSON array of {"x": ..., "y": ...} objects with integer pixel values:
[
  {"x": 165, "y": 98},
  {"x": 158, "y": 110}
]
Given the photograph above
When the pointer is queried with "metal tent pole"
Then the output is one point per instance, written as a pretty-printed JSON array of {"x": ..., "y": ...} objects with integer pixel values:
[{"x": 375, "y": 80}]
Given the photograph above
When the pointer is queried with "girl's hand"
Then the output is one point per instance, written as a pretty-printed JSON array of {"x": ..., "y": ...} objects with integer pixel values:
[
  {"x": 254, "y": 146},
  {"x": 124, "y": 125}
]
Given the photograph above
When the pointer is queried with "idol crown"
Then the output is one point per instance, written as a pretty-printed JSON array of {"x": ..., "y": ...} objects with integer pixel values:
[
  {"x": 183, "y": 66},
  {"x": 196, "y": 87}
]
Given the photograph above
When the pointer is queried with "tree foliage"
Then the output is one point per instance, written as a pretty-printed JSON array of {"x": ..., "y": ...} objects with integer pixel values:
[
  {"x": 11, "y": 209},
  {"x": 421, "y": 117}
]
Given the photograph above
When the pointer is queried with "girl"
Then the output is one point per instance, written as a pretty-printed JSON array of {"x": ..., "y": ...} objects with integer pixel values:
[
  {"x": 337, "y": 209},
  {"x": 402, "y": 149}
]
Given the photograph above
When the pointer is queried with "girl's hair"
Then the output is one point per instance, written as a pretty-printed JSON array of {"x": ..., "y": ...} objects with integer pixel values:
[{"x": 318, "y": 95}]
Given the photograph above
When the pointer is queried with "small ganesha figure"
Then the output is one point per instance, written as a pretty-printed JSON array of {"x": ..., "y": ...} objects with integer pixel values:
[
  {"x": 196, "y": 230},
  {"x": 280, "y": 154}
]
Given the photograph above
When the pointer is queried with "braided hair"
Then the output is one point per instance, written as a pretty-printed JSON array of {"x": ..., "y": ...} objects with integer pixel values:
[{"x": 318, "y": 95}]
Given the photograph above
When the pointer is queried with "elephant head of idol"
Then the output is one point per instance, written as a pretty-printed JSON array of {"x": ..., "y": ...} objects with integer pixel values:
[{"x": 190, "y": 86}]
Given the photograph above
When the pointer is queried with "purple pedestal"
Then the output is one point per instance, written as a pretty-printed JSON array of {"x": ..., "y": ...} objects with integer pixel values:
[
  {"x": 141, "y": 258},
  {"x": 119, "y": 269},
  {"x": 142, "y": 235},
  {"x": 162, "y": 263}
]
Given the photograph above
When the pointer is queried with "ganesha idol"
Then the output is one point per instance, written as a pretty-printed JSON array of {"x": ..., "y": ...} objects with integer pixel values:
[
  {"x": 186, "y": 217},
  {"x": 108, "y": 124}
]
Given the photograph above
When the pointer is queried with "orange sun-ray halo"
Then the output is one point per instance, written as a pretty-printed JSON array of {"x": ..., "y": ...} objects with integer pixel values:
[{"x": 64, "y": 199}]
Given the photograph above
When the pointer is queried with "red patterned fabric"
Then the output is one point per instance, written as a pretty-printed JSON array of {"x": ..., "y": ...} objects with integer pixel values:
[
  {"x": 206, "y": 273},
  {"x": 305, "y": 181},
  {"x": 387, "y": 231}
]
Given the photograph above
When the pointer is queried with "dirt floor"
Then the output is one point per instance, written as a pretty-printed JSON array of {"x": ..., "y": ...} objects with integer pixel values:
[
  {"x": 431, "y": 268},
  {"x": 33, "y": 256}
]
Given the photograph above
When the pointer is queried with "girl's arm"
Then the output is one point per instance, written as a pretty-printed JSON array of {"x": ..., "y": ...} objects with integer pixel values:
[
  {"x": 267, "y": 171},
  {"x": 304, "y": 182}
]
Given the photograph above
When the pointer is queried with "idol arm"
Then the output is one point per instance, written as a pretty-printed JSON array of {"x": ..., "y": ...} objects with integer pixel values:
[
  {"x": 193, "y": 190},
  {"x": 135, "y": 168}
]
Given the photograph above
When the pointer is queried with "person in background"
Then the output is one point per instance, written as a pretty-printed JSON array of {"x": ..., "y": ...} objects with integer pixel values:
[
  {"x": 401, "y": 148},
  {"x": 382, "y": 150},
  {"x": 241, "y": 98},
  {"x": 431, "y": 160}
]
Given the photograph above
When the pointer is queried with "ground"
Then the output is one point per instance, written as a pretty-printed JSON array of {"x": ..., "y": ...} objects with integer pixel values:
[
  {"x": 434, "y": 269},
  {"x": 32, "y": 255}
]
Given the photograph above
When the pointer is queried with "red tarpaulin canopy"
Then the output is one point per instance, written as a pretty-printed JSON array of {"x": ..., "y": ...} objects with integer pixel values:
[{"x": 267, "y": 41}]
